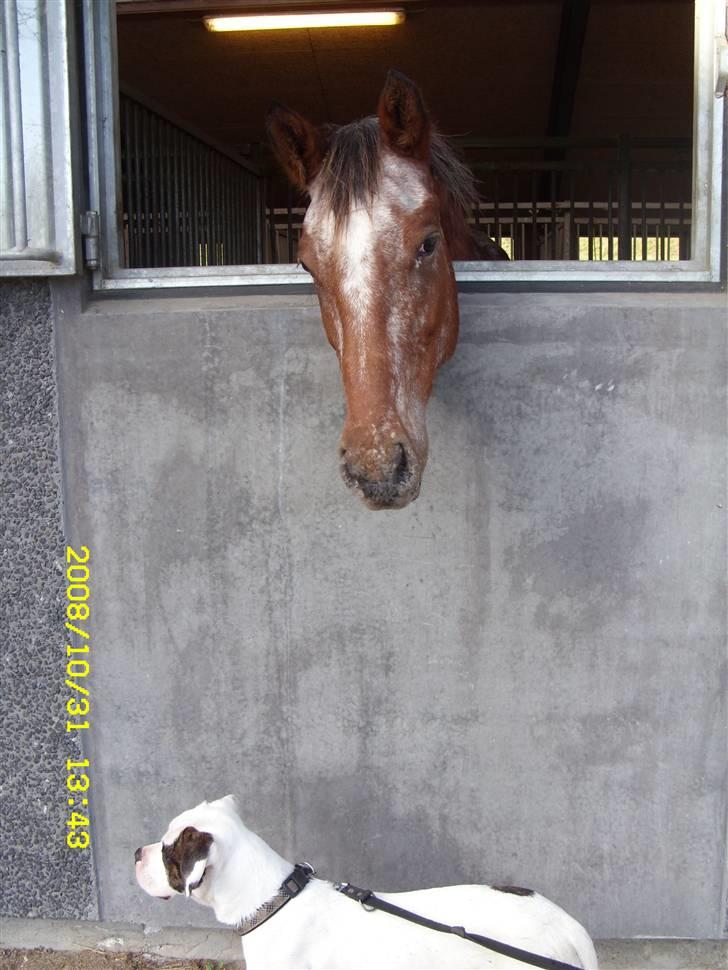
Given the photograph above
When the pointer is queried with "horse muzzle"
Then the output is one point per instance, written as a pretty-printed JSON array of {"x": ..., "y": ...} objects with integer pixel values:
[{"x": 386, "y": 477}]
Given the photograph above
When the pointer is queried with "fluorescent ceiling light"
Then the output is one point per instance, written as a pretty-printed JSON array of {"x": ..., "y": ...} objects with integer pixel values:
[{"x": 290, "y": 21}]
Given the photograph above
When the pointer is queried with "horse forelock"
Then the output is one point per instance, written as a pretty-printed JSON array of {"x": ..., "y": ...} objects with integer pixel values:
[{"x": 350, "y": 173}]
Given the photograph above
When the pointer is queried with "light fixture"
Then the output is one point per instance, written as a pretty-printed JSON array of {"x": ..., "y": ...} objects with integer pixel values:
[{"x": 306, "y": 21}]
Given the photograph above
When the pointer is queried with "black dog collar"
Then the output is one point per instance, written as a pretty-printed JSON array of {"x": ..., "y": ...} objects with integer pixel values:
[{"x": 290, "y": 887}]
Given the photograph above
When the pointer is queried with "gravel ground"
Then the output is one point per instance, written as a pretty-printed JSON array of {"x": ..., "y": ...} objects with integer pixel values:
[{"x": 95, "y": 960}]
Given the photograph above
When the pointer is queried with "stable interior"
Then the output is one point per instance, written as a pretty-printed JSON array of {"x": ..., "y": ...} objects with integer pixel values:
[{"x": 576, "y": 118}]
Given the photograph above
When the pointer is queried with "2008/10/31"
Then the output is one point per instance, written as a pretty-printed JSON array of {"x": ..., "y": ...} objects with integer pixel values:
[{"x": 78, "y": 705}]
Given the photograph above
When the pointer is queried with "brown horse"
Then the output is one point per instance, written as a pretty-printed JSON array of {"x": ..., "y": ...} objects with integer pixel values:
[{"x": 388, "y": 213}]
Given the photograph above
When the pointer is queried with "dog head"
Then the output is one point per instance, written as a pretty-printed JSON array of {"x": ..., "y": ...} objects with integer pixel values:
[{"x": 184, "y": 860}]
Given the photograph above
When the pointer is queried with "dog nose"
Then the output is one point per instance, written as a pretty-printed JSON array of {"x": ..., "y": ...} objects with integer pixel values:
[{"x": 138, "y": 855}]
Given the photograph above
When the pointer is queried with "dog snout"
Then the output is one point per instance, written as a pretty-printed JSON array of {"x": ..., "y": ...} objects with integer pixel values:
[{"x": 138, "y": 854}]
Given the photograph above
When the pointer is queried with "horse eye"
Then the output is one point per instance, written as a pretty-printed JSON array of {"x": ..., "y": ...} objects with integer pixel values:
[{"x": 428, "y": 247}]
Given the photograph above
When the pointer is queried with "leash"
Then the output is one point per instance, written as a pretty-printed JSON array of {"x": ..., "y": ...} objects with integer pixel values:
[
  {"x": 297, "y": 881},
  {"x": 369, "y": 901}
]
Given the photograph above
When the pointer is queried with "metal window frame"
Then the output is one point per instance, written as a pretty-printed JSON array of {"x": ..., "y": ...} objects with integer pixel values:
[
  {"x": 706, "y": 268},
  {"x": 39, "y": 129}
]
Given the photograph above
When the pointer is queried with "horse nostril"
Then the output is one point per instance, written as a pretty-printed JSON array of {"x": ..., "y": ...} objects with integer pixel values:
[
  {"x": 401, "y": 471},
  {"x": 138, "y": 855}
]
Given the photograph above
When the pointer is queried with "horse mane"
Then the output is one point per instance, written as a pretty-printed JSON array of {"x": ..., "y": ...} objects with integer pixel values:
[{"x": 349, "y": 174}]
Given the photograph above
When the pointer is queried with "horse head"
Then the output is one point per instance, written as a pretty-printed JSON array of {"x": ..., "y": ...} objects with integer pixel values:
[{"x": 389, "y": 201}]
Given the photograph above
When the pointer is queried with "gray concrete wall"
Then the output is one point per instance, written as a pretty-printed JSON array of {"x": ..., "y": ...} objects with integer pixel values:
[
  {"x": 44, "y": 878},
  {"x": 521, "y": 677}
]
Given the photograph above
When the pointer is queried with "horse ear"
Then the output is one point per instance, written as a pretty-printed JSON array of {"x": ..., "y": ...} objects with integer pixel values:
[
  {"x": 403, "y": 118},
  {"x": 296, "y": 144}
]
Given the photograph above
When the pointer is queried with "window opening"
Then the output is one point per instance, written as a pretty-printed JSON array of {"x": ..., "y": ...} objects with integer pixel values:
[{"x": 576, "y": 118}]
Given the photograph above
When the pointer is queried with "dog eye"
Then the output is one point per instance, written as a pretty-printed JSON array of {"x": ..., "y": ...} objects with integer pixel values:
[{"x": 428, "y": 247}]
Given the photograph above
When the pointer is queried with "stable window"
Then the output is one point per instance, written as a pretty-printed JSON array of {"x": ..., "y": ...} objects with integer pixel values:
[{"x": 595, "y": 130}]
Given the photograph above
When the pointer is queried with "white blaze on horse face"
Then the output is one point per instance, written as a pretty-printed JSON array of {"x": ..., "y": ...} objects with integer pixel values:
[{"x": 367, "y": 233}]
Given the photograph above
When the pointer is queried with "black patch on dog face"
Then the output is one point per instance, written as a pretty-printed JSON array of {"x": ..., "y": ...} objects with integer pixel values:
[
  {"x": 515, "y": 890},
  {"x": 180, "y": 857}
]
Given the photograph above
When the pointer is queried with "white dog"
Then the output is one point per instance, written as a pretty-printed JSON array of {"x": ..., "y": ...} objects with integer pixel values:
[{"x": 302, "y": 922}]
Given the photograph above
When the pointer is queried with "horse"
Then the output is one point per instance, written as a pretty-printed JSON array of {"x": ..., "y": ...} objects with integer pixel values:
[{"x": 389, "y": 201}]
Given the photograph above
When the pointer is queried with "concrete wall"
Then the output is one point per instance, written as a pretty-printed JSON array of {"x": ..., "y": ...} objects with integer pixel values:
[
  {"x": 521, "y": 677},
  {"x": 43, "y": 877}
]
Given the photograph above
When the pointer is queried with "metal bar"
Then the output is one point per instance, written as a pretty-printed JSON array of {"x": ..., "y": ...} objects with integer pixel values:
[
  {"x": 194, "y": 206},
  {"x": 15, "y": 106},
  {"x": 165, "y": 192},
  {"x": 625, "y": 202},
  {"x": 289, "y": 224},
  {"x": 138, "y": 181},
  {"x": 552, "y": 196},
  {"x": 574, "y": 235},
  {"x": 496, "y": 203},
  {"x": 127, "y": 183},
  {"x": 661, "y": 222},
  {"x": 226, "y": 215},
  {"x": 238, "y": 256},
  {"x": 644, "y": 214},
  {"x": 168, "y": 195},
  {"x": 590, "y": 222},
  {"x": 178, "y": 223},
  {"x": 610, "y": 216},
  {"x": 213, "y": 208}
]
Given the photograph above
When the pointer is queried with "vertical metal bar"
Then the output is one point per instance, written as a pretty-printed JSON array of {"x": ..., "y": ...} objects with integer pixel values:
[
  {"x": 661, "y": 222},
  {"x": 15, "y": 105},
  {"x": 217, "y": 210},
  {"x": 625, "y": 201},
  {"x": 212, "y": 166},
  {"x": 184, "y": 186},
  {"x": 233, "y": 217},
  {"x": 272, "y": 229},
  {"x": 681, "y": 229},
  {"x": 178, "y": 224},
  {"x": 610, "y": 215},
  {"x": 516, "y": 240},
  {"x": 535, "y": 248},
  {"x": 226, "y": 215},
  {"x": 590, "y": 220},
  {"x": 574, "y": 235},
  {"x": 239, "y": 247},
  {"x": 289, "y": 224},
  {"x": 128, "y": 180},
  {"x": 261, "y": 186},
  {"x": 552, "y": 189},
  {"x": 496, "y": 203},
  {"x": 168, "y": 196},
  {"x": 163, "y": 194},
  {"x": 643, "y": 172},
  {"x": 138, "y": 180},
  {"x": 191, "y": 218},
  {"x": 194, "y": 202},
  {"x": 207, "y": 205},
  {"x": 145, "y": 187},
  {"x": 247, "y": 220},
  {"x": 156, "y": 200}
]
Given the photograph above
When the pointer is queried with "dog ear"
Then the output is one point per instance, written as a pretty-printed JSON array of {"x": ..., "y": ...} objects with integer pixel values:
[
  {"x": 297, "y": 145},
  {"x": 404, "y": 121},
  {"x": 185, "y": 859}
]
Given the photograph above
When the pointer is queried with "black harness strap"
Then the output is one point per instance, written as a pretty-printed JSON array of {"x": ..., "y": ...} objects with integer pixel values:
[{"x": 367, "y": 898}]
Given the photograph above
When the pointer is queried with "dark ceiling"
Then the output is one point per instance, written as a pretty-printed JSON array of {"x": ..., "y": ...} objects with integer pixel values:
[{"x": 486, "y": 69}]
